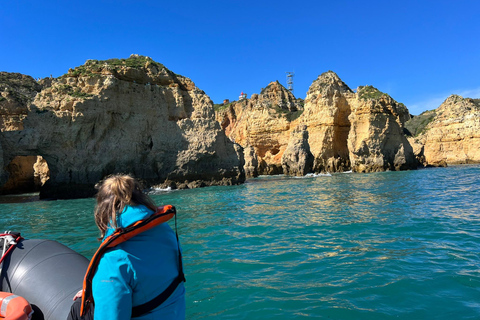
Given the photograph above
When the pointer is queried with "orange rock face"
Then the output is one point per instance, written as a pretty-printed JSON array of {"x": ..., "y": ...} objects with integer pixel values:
[
  {"x": 342, "y": 130},
  {"x": 453, "y": 136},
  {"x": 262, "y": 124}
]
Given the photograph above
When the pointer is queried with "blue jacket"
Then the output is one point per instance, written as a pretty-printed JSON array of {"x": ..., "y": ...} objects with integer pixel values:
[{"x": 136, "y": 271}]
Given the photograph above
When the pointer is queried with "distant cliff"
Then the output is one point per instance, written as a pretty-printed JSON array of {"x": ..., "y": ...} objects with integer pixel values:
[
  {"x": 261, "y": 125},
  {"x": 448, "y": 135},
  {"x": 377, "y": 140},
  {"x": 335, "y": 130},
  {"x": 124, "y": 115}
]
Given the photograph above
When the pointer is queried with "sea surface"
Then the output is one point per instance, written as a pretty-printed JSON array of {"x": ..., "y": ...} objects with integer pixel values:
[{"x": 391, "y": 245}]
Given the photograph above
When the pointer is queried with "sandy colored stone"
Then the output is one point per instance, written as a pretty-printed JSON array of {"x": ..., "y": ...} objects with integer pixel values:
[
  {"x": 102, "y": 118},
  {"x": 297, "y": 160},
  {"x": 251, "y": 162},
  {"x": 418, "y": 150},
  {"x": 376, "y": 140},
  {"x": 345, "y": 130},
  {"x": 263, "y": 123},
  {"x": 326, "y": 116},
  {"x": 453, "y": 136},
  {"x": 360, "y": 131},
  {"x": 21, "y": 174},
  {"x": 16, "y": 92}
]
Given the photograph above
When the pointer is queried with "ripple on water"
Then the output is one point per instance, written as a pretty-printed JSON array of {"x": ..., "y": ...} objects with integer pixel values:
[{"x": 392, "y": 245}]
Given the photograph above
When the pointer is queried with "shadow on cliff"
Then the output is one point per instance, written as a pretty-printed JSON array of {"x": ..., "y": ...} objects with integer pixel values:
[{"x": 82, "y": 151}]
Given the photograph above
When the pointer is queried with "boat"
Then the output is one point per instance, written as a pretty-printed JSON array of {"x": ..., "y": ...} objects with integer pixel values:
[{"x": 46, "y": 273}]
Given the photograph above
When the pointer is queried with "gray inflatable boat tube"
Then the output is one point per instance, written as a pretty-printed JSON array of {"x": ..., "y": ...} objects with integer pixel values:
[{"x": 46, "y": 273}]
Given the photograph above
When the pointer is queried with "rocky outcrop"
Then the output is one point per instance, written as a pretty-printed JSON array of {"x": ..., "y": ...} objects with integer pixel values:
[
  {"x": 262, "y": 124},
  {"x": 22, "y": 174},
  {"x": 277, "y": 96},
  {"x": 25, "y": 174},
  {"x": 360, "y": 131},
  {"x": 125, "y": 115},
  {"x": 16, "y": 92},
  {"x": 136, "y": 116},
  {"x": 376, "y": 140},
  {"x": 326, "y": 116},
  {"x": 452, "y": 136},
  {"x": 341, "y": 129},
  {"x": 251, "y": 162},
  {"x": 418, "y": 151},
  {"x": 297, "y": 160}
]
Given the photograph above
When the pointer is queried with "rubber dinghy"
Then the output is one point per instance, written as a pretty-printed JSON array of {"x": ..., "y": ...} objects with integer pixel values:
[{"x": 46, "y": 273}]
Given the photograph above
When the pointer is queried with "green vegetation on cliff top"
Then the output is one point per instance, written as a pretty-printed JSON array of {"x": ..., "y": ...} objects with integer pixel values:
[
  {"x": 76, "y": 93},
  {"x": 91, "y": 67},
  {"x": 418, "y": 124},
  {"x": 370, "y": 92},
  {"x": 221, "y": 106},
  {"x": 19, "y": 87}
]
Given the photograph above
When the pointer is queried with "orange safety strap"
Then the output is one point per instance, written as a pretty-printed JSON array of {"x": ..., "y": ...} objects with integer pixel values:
[{"x": 161, "y": 215}]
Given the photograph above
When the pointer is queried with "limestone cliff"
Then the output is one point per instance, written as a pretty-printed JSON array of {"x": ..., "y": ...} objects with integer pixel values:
[
  {"x": 262, "y": 124},
  {"x": 125, "y": 115},
  {"x": 16, "y": 92},
  {"x": 297, "y": 160},
  {"x": 452, "y": 135},
  {"x": 22, "y": 174},
  {"x": 326, "y": 117},
  {"x": 360, "y": 131},
  {"x": 376, "y": 140},
  {"x": 342, "y": 130}
]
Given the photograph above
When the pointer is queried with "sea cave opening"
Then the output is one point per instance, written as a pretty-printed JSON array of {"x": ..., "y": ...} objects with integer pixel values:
[{"x": 26, "y": 174}]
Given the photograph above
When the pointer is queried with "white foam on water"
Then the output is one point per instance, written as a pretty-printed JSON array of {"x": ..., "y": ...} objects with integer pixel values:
[
  {"x": 315, "y": 175},
  {"x": 158, "y": 190}
]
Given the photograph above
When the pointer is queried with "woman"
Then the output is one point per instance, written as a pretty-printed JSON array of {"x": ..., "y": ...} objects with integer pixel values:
[{"x": 140, "y": 269}]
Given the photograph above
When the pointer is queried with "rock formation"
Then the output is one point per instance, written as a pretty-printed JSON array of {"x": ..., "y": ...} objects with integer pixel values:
[
  {"x": 135, "y": 116},
  {"x": 297, "y": 160},
  {"x": 376, "y": 140},
  {"x": 22, "y": 174},
  {"x": 326, "y": 116},
  {"x": 452, "y": 134},
  {"x": 360, "y": 131},
  {"x": 25, "y": 174},
  {"x": 341, "y": 129},
  {"x": 263, "y": 123},
  {"x": 16, "y": 92},
  {"x": 251, "y": 162},
  {"x": 124, "y": 115}
]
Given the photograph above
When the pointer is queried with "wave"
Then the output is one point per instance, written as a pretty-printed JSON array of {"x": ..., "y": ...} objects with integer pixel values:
[
  {"x": 315, "y": 175},
  {"x": 159, "y": 190}
]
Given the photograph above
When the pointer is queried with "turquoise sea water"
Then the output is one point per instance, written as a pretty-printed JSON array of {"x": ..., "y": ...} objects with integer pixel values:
[{"x": 392, "y": 245}]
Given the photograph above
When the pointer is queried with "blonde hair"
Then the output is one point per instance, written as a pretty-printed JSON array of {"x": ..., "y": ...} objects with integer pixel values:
[{"x": 114, "y": 193}]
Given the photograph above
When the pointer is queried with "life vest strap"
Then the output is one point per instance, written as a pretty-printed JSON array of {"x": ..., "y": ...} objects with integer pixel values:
[{"x": 142, "y": 309}]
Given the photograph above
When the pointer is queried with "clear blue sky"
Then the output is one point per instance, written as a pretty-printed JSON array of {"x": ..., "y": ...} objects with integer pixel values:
[{"x": 418, "y": 51}]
